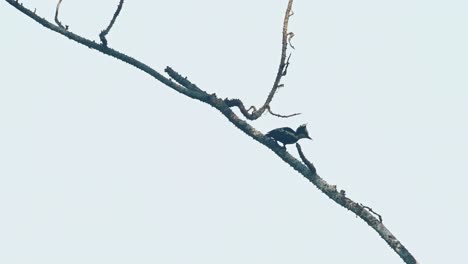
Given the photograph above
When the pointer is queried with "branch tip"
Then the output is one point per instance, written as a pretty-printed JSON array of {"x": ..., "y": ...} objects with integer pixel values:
[{"x": 281, "y": 116}]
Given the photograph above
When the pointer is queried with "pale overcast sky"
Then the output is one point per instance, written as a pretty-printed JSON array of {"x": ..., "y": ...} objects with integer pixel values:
[{"x": 99, "y": 163}]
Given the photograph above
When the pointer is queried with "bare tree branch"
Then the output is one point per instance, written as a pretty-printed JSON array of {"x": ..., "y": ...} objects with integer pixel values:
[
  {"x": 184, "y": 86},
  {"x": 57, "y": 9},
  {"x": 104, "y": 33},
  {"x": 282, "y": 70},
  {"x": 341, "y": 199}
]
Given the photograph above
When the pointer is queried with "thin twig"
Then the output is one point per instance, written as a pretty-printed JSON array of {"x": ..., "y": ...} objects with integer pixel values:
[
  {"x": 282, "y": 71},
  {"x": 56, "y": 15},
  {"x": 290, "y": 36},
  {"x": 282, "y": 116},
  {"x": 281, "y": 68},
  {"x": 284, "y": 46},
  {"x": 286, "y": 68},
  {"x": 246, "y": 112},
  {"x": 104, "y": 33}
]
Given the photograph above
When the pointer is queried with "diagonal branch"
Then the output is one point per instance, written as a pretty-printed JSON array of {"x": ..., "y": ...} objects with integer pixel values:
[
  {"x": 185, "y": 87},
  {"x": 359, "y": 209},
  {"x": 104, "y": 33},
  {"x": 108, "y": 51},
  {"x": 282, "y": 71}
]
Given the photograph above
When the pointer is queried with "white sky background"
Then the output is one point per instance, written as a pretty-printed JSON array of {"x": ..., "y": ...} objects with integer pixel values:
[{"x": 101, "y": 164}]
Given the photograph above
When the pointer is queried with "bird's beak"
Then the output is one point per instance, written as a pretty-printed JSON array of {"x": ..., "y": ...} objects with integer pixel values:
[{"x": 309, "y": 138}]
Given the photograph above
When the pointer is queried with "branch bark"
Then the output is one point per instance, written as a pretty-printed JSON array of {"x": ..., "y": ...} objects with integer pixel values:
[
  {"x": 185, "y": 87},
  {"x": 363, "y": 212}
]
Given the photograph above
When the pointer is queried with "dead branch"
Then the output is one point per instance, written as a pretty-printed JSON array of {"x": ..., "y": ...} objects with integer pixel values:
[
  {"x": 185, "y": 87},
  {"x": 282, "y": 116},
  {"x": 282, "y": 70},
  {"x": 57, "y": 9},
  {"x": 104, "y": 33},
  {"x": 341, "y": 199}
]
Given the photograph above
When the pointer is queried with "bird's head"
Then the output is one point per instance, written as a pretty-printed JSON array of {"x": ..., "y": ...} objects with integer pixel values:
[{"x": 302, "y": 132}]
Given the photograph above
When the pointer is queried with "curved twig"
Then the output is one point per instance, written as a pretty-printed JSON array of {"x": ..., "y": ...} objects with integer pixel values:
[
  {"x": 57, "y": 9},
  {"x": 282, "y": 70},
  {"x": 282, "y": 116},
  {"x": 290, "y": 36},
  {"x": 246, "y": 112},
  {"x": 308, "y": 170},
  {"x": 104, "y": 33}
]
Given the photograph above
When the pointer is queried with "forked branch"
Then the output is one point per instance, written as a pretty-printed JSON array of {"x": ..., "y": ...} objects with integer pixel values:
[{"x": 185, "y": 87}]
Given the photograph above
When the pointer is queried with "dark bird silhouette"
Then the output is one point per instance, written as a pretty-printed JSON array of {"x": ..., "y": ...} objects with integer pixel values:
[{"x": 287, "y": 135}]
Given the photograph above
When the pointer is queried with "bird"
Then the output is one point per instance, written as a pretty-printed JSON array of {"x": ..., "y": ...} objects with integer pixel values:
[{"x": 287, "y": 135}]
